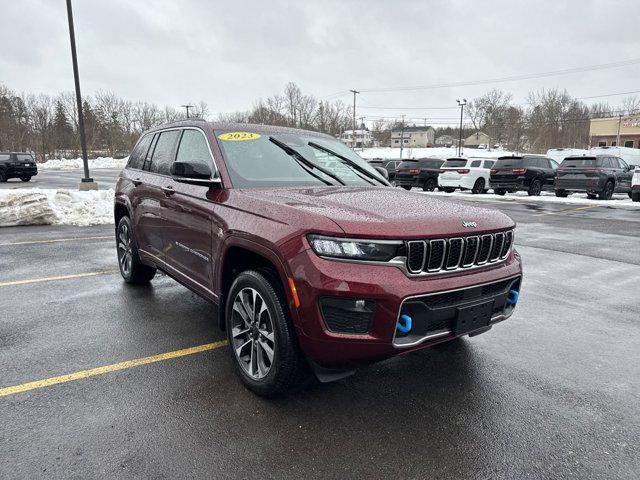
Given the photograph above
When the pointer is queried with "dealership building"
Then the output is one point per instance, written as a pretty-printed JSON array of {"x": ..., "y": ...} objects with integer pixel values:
[{"x": 621, "y": 131}]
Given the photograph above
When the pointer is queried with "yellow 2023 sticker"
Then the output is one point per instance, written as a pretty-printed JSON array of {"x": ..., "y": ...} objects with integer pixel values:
[{"x": 238, "y": 136}]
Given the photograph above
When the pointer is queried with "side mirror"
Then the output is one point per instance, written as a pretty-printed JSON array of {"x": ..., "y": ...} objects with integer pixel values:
[
  {"x": 193, "y": 173},
  {"x": 383, "y": 171}
]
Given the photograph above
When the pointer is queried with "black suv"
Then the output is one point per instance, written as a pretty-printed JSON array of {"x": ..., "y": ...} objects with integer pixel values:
[
  {"x": 389, "y": 165},
  {"x": 17, "y": 165},
  {"x": 531, "y": 173},
  {"x": 600, "y": 176},
  {"x": 422, "y": 172}
]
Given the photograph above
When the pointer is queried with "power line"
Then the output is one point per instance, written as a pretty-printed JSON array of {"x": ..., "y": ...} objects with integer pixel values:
[
  {"x": 512, "y": 104},
  {"x": 529, "y": 76}
]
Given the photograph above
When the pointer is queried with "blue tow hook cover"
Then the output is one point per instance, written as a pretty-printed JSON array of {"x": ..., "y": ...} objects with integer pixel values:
[
  {"x": 406, "y": 326},
  {"x": 512, "y": 298}
]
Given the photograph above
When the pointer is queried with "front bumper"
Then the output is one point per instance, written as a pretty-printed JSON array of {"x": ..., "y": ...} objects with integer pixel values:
[{"x": 389, "y": 288}]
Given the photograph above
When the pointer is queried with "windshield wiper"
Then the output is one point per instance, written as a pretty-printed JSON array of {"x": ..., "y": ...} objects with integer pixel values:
[
  {"x": 305, "y": 163},
  {"x": 351, "y": 163}
]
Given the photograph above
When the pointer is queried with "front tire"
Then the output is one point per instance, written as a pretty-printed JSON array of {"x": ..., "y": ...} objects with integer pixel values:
[
  {"x": 430, "y": 185},
  {"x": 535, "y": 188},
  {"x": 3, "y": 177},
  {"x": 607, "y": 192},
  {"x": 131, "y": 268},
  {"x": 261, "y": 335},
  {"x": 478, "y": 187}
]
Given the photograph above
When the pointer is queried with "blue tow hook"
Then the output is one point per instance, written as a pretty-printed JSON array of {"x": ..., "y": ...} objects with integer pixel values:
[
  {"x": 406, "y": 326},
  {"x": 513, "y": 296}
]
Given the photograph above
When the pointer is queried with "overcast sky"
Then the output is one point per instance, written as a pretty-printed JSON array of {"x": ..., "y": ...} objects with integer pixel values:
[{"x": 231, "y": 53}]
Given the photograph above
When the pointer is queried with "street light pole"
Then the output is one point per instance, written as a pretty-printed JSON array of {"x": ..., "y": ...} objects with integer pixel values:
[
  {"x": 353, "y": 136},
  {"x": 87, "y": 182},
  {"x": 462, "y": 104}
]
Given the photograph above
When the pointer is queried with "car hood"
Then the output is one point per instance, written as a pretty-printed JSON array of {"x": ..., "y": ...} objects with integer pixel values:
[{"x": 381, "y": 212}]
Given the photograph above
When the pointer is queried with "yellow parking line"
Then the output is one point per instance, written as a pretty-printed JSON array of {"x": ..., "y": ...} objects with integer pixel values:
[
  {"x": 47, "y": 382},
  {"x": 562, "y": 212},
  {"x": 56, "y": 240},
  {"x": 53, "y": 279}
]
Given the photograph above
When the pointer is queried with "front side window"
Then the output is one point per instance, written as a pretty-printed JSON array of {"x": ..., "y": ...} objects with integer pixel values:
[
  {"x": 291, "y": 159},
  {"x": 165, "y": 152},
  {"x": 622, "y": 164},
  {"x": 194, "y": 148}
]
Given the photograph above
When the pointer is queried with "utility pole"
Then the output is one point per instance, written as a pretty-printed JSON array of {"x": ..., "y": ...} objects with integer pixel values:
[
  {"x": 401, "y": 136},
  {"x": 87, "y": 182},
  {"x": 618, "y": 135},
  {"x": 187, "y": 107},
  {"x": 462, "y": 104},
  {"x": 353, "y": 136}
]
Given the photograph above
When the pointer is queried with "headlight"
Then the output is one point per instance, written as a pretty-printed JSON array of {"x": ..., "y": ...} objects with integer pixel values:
[{"x": 352, "y": 249}]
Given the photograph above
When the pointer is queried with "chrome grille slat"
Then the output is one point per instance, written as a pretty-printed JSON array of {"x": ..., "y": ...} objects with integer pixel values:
[{"x": 451, "y": 254}]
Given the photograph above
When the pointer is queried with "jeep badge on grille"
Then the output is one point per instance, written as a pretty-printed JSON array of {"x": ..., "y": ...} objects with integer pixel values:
[{"x": 469, "y": 224}]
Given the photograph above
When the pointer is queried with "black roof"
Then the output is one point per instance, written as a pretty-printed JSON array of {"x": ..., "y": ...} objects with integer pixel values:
[{"x": 244, "y": 127}]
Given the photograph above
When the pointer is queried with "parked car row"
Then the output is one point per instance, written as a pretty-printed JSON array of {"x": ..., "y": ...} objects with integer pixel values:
[{"x": 599, "y": 176}]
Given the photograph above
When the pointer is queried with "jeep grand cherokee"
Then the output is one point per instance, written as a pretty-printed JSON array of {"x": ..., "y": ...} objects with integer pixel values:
[{"x": 314, "y": 263}]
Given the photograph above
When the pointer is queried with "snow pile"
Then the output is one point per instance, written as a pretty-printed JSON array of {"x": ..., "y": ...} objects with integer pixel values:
[
  {"x": 436, "y": 152},
  {"x": 618, "y": 200},
  {"x": 74, "y": 163},
  {"x": 35, "y": 206}
]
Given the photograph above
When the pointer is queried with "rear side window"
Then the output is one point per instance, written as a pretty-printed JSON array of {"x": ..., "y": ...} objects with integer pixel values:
[
  {"x": 165, "y": 152},
  {"x": 139, "y": 153},
  {"x": 476, "y": 163},
  {"x": 4, "y": 156},
  {"x": 194, "y": 148},
  {"x": 488, "y": 163},
  {"x": 532, "y": 162}
]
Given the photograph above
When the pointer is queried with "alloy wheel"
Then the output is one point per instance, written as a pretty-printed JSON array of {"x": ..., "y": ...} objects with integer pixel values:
[
  {"x": 125, "y": 255},
  {"x": 253, "y": 338}
]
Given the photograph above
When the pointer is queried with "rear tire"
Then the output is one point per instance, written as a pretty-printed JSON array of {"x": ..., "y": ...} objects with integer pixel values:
[
  {"x": 607, "y": 192},
  {"x": 3, "y": 177},
  {"x": 635, "y": 196},
  {"x": 535, "y": 188},
  {"x": 478, "y": 187},
  {"x": 562, "y": 193},
  {"x": 131, "y": 268},
  {"x": 262, "y": 339},
  {"x": 499, "y": 191},
  {"x": 25, "y": 179},
  {"x": 430, "y": 185}
]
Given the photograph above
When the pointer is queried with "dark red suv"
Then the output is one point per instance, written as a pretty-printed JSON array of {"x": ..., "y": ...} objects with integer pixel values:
[{"x": 315, "y": 264}]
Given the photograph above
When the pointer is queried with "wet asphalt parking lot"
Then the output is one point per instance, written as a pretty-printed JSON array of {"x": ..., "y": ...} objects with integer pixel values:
[{"x": 554, "y": 392}]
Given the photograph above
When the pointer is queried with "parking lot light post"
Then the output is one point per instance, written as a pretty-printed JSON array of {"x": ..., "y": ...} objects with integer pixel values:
[
  {"x": 462, "y": 103},
  {"x": 87, "y": 182}
]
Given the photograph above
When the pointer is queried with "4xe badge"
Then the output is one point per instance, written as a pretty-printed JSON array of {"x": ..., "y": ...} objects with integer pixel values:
[{"x": 469, "y": 224}]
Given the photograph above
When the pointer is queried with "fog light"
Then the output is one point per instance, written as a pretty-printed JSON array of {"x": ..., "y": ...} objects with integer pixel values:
[{"x": 347, "y": 315}]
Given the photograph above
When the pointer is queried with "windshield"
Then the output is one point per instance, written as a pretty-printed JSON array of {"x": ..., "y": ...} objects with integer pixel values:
[
  {"x": 255, "y": 160},
  {"x": 454, "y": 163},
  {"x": 578, "y": 162}
]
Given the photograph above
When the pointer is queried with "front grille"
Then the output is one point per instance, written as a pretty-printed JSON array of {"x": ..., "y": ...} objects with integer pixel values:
[{"x": 447, "y": 254}]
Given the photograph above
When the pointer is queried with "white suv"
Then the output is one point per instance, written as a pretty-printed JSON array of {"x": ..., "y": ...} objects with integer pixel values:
[
  {"x": 635, "y": 185},
  {"x": 465, "y": 174}
]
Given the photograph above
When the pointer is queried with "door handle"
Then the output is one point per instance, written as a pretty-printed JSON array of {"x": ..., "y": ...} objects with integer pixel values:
[
  {"x": 137, "y": 182},
  {"x": 168, "y": 190}
]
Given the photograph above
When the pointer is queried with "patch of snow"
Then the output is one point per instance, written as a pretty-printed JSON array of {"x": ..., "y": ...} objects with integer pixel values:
[
  {"x": 35, "y": 206},
  {"x": 74, "y": 163},
  {"x": 436, "y": 152},
  {"x": 618, "y": 200}
]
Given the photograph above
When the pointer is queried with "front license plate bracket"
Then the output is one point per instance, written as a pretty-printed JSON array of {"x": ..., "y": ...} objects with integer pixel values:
[{"x": 473, "y": 317}]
